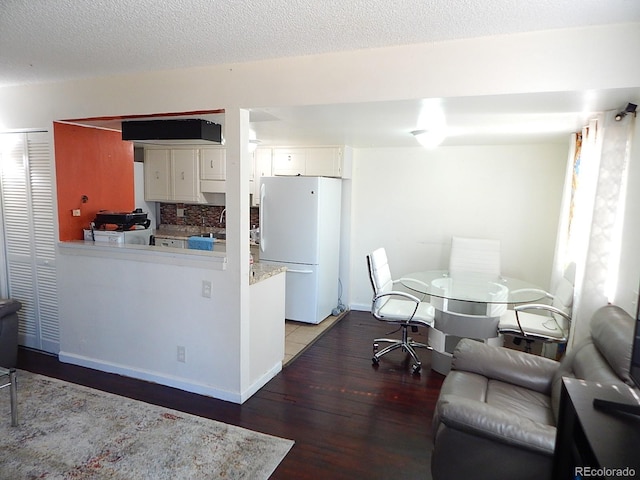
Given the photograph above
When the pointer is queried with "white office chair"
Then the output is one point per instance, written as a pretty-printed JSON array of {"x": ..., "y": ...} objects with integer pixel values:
[
  {"x": 474, "y": 255},
  {"x": 397, "y": 308},
  {"x": 474, "y": 263},
  {"x": 551, "y": 323},
  {"x": 474, "y": 272}
]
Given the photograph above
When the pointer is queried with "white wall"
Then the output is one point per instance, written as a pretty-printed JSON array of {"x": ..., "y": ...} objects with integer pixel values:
[
  {"x": 411, "y": 201},
  {"x": 127, "y": 312},
  {"x": 535, "y": 62}
]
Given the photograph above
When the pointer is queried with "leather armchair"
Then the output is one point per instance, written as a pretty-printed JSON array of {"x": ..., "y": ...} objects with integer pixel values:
[
  {"x": 497, "y": 411},
  {"x": 9, "y": 332}
]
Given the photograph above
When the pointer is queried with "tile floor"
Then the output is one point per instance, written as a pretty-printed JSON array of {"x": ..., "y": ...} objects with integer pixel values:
[{"x": 298, "y": 335}]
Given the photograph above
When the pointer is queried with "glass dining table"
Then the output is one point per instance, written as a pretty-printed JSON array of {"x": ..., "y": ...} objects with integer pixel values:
[{"x": 467, "y": 305}]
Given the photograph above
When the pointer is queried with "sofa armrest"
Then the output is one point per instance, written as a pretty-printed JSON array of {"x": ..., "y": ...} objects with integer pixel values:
[
  {"x": 511, "y": 366},
  {"x": 483, "y": 420}
]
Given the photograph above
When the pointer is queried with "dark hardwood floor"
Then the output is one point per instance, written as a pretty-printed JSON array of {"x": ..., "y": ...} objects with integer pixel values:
[{"x": 349, "y": 419}]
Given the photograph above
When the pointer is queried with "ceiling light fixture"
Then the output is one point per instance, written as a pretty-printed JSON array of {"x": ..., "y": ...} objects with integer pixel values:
[{"x": 429, "y": 138}]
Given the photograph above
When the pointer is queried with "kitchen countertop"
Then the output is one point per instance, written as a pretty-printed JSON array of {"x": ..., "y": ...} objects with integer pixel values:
[
  {"x": 181, "y": 232},
  {"x": 262, "y": 271}
]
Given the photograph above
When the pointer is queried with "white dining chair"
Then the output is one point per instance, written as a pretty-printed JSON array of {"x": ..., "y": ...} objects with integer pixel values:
[{"x": 479, "y": 256}]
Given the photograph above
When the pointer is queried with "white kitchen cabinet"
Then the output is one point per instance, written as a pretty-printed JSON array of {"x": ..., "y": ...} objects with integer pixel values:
[
  {"x": 172, "y": 175},
  {"x": 213, "y": 163},
  {"x": 213, "y": 172},
  {"x": 185, "y": 175},
  {"x": 289, "y": 161},
  {"x": 309, "y": 161},
  {"x": 262, "y": 168},
  {"x": 262, "y": 163},
  {"x": 323, "y": 162},
  {"x": 157, "y": 168}
]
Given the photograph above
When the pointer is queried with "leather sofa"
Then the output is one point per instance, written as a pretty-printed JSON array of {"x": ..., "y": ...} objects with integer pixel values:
[
  {"x": 496, "y": 414},
  {"x": 9, "y": 332}
]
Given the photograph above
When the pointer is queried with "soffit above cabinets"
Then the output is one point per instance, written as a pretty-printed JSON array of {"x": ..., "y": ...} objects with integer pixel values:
[{"x": 548, "y": 117}]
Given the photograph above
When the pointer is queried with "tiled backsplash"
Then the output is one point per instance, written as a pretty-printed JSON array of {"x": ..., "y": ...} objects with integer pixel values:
[{"x": 199, "y": 215}]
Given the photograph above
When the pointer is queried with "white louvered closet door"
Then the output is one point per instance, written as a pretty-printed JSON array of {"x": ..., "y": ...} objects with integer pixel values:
[{"x": 29, "y": 232}]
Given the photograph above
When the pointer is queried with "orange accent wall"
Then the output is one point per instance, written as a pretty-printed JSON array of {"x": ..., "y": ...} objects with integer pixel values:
[{"x": 92, "y": 162}]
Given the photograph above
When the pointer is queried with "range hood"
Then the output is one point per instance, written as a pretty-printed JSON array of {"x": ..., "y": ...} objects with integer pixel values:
[{"x": 172, "y": 131}]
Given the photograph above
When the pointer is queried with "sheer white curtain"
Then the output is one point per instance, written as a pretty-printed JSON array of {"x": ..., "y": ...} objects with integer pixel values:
[{"x": 590, "y": 227}]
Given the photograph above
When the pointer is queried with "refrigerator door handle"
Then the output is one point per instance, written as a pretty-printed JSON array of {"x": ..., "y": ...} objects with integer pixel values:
[
  {"x": 298, "y": 271},
  {"x": 260, "y": 218}
]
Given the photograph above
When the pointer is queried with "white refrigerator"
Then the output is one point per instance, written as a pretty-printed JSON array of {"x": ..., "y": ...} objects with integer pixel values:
[{"x": 300, "y": 228}]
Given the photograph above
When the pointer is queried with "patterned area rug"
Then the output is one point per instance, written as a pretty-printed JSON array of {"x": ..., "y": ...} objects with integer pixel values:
[{"x": 67, "y": 431}]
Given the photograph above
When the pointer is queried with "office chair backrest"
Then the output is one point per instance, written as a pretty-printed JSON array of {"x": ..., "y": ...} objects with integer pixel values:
[
  {"x": 474, "y": 255},
  {"x": 380, "y": 275}
]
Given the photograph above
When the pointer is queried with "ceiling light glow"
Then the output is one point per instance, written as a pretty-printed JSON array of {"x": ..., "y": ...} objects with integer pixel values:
[
  {"x": 431, "y": 125},
  {"x": 429, "y": 138}
]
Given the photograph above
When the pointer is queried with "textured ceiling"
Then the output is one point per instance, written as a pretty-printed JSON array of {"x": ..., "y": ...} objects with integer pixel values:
[
  {"x": 53, "y": 40},
  {"x": 44, "y": 40}
]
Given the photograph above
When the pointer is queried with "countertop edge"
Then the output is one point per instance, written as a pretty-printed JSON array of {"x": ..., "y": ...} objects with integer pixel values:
[
  {"x": 263, "y": 271},
  {"x": 146, "y": 253}
]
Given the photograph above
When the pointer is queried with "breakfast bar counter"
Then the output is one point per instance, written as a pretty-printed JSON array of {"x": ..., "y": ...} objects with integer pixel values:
[{"x": 128, "y": 309}]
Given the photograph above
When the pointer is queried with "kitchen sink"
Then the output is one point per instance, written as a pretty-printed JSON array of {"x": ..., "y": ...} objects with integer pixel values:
[{"x": 216, "y": 235}]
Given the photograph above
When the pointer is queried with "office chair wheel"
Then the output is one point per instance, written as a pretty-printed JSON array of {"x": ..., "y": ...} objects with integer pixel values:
[
  {"x": 375, "y": 361},
  {"x": 416, "y": 368}
]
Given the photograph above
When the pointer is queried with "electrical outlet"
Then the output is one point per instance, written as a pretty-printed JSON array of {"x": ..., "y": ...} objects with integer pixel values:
[
  {"x": 179, "y": 212},
  {"x": 75, "y": 212},
  {"x": 206, "y": 289},
  {"x": 182, "y": 354}
]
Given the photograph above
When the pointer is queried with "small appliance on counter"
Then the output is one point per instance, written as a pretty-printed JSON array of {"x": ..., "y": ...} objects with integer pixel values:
[
  {"x": 120, "y": 228},
  {"x": 121, "y": 220}
]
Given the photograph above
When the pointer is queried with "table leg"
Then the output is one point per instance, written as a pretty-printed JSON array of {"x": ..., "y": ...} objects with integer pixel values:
[{"x": 13, "y": 391}]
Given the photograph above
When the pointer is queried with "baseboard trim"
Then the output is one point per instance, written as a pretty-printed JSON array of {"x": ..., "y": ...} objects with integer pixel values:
[
  {"x": 170, "y": 381},
  {"x": 260, "y": 382},
  {"x": 360, "y": 307}
]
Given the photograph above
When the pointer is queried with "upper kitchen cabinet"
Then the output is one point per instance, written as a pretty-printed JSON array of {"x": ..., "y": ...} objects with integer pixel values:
[
  {"x": 157, "y": 167},
  {"x": 172, "y": 175},
  {"x": 289, "y": 161},
  {"x": 261, "y": 169},
  {"x": 213, "y": 163},
  {"x": 310, "y": 161},
  {"x": 213, "y": 173},
  {"x": 185, "y": 178}
]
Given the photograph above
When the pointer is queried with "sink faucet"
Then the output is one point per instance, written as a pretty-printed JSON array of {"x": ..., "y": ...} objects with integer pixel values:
[{"x": 224, "y": 210}]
